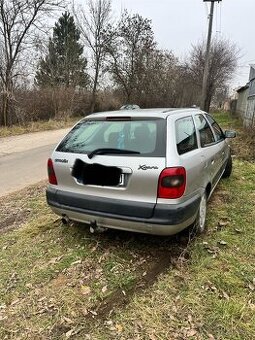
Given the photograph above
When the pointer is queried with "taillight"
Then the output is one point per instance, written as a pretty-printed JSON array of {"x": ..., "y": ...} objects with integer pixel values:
[
  {"x": 172, "y": 183},
  {"x": 51, "y": 173}
]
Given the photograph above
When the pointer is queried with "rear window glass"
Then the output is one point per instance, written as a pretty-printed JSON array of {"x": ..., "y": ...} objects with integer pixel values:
[{"x": 147, "y": 137}]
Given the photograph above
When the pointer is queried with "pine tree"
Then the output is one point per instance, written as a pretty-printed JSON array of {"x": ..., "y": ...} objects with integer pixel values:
[{"x": 64, "y": 64}]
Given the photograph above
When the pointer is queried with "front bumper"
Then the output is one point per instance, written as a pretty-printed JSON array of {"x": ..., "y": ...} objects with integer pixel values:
[{"x": 158, "y": 219}]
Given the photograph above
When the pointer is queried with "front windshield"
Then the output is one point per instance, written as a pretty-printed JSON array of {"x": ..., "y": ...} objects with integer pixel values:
[{"x": 143, "y": 136}]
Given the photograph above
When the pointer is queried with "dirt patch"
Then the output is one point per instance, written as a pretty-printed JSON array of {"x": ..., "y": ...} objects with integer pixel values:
[
  {"x": 120, "y": 298},
  {"x": 173, "y": 250},
  {"x": 17, "y": 208}
]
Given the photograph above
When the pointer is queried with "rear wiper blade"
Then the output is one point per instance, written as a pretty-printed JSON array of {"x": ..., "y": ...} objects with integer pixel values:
[{"x": 105, "y": 151}]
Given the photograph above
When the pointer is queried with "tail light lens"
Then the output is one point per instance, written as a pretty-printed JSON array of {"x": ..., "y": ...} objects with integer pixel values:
[
  {"x": 172, "y": 183},
  {"x": 51, "y": 173}
]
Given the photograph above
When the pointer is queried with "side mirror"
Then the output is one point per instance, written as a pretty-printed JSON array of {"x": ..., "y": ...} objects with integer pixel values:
[{"x": 230, "y": 134}]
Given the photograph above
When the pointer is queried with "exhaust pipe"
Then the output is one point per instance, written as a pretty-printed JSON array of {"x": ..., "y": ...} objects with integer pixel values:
[{"x": 65, "y": 220}]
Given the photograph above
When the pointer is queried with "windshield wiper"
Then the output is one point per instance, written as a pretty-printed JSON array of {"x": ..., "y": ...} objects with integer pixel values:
[{"x": 105, "y": 151}]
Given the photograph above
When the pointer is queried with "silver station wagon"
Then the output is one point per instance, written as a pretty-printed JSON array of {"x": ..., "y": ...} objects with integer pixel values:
[{"x": 144, "y": 170}]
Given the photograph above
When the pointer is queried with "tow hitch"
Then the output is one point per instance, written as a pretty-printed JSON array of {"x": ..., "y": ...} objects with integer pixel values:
[{"x": 94, "y": 228}]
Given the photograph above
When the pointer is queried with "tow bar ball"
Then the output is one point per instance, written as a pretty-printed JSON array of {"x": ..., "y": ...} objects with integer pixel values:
[{"x": 93, "y": 227}]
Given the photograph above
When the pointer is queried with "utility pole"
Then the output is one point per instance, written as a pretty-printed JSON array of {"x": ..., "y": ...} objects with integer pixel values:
[{"x": 207, "y": 56}]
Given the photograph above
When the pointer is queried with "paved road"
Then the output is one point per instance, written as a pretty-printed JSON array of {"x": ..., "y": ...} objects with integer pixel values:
[{"x": 23, "y": 159}]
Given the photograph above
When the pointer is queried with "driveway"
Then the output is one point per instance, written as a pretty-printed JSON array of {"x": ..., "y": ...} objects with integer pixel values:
[{"x": 23, "y": 158}]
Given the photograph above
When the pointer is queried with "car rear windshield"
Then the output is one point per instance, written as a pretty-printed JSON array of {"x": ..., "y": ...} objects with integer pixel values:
[{"x": 146, "y": 137}]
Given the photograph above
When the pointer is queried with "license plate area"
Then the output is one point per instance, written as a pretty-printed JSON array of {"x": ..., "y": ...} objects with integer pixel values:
[{"x": 97, "y": 174}]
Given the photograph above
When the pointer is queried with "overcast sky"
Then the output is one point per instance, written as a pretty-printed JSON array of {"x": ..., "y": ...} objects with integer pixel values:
[{"x": 179, "y": 23}]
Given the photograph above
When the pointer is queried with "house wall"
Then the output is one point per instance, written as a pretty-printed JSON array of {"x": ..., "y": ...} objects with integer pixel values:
[
  {"x": 249, "y": 117},
  {"x": 242, "y": 102}
]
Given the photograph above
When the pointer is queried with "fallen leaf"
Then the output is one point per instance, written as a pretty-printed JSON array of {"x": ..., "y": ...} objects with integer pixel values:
[
  {"x": 29, "y": 285},
  {"x": 191, "y": 333},
  {"x": 119, "y": 328},
  {"x": 41, "y": 299},
  {"x": 76, "y": 262},
  {"x": 104, "y": 289},
  {"x": 238, "y": 231},
  {"x": 68, "y": 321},
  {"x": 53, "y": 260},
  {"x": 225, "y": 295},
  {"x": 85, "y": 312},
  {"x": 223, "y": 223},
  {"x": 41, "y": 311},
  {"x": 223, "y": 243},
  {"x": 251, "y": 287},
  {"x": 93, "y": 312},
  {"x": 85, "y": 290},
  {"x": 108, "y": 323},
  {"x": 69, "y": 333},
  {"x": 15, "y": 302}
]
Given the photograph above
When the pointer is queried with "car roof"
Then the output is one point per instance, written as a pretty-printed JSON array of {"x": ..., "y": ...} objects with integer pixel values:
[{"x": 157, "y": 112}]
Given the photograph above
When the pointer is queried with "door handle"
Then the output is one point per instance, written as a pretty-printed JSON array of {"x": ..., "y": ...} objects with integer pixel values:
[{"x": 212, "y": 161}]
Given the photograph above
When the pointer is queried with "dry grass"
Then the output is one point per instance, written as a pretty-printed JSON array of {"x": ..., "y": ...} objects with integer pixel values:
[{"x": 37, "y": 126}]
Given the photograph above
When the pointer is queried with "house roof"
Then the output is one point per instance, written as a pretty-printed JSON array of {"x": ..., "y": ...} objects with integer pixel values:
[{"x": 243, "y": 88}]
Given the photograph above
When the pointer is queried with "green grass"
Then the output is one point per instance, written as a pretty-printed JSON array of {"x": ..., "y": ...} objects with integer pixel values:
[{"x": 54, "y": 279}]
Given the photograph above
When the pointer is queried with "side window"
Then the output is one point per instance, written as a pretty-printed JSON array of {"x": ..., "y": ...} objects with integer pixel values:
[
  {"x": 186, "y": 138},
  {"x": 216, "y": 128},
  {"x": 205, "y": 132}
]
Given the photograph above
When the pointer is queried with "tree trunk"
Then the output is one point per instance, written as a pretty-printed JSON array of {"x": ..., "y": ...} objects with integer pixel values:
[
  {"x": 5, "y": 119},
  {"x": 207, "y": 103},
  {"x": 5, "y": 108},
  {"x": 94, "y": 91}
]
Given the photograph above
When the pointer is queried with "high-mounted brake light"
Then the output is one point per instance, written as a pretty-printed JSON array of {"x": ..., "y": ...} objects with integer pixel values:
[
  {"x": 51, "y": 173},
  {"x": 172, "y": 183}
]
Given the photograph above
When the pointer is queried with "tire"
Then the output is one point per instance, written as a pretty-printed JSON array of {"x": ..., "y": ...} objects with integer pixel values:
[
  {"x": 228, "y": 169},
  {"x": 199, "y": 224}
]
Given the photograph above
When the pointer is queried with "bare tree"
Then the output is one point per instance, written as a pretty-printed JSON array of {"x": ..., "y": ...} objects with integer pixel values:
[
  {"x": 18, "y": 19},
  {"x": 93, "y": 27},
  {"x": 222, "y": 65},
  {"x": 156, "y": 81},
  {"x": 129, "y": 51}
]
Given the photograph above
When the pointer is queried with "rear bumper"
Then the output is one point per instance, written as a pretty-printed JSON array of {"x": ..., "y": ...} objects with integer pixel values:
[{"x": 159, "y": 219}]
